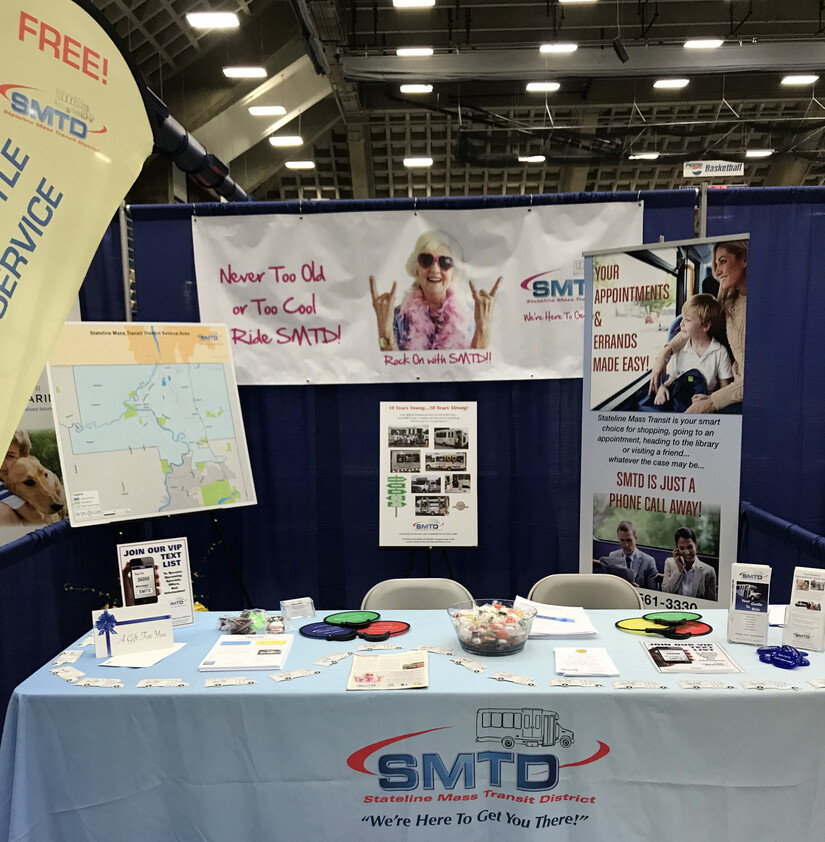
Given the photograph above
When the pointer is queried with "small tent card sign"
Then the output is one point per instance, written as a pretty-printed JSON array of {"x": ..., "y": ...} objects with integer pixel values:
[{"x": 125, "y": 631}]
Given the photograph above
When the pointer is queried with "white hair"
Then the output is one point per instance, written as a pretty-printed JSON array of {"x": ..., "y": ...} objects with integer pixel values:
[{"x": 429, "y": 241}]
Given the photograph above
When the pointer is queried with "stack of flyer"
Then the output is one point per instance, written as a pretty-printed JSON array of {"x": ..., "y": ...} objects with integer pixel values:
[
  {"x": 248, "y": 652},
  {"x": 557, "y": 620}
]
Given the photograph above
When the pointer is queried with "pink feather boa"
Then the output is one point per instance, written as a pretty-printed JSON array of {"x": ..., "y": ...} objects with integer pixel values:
[{"x": 450, "y": 331}]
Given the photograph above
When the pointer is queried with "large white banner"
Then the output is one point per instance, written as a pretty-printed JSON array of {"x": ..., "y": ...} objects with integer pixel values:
[
  {"x": 660, "y": 471},
  {"x": 74, "y": 134},
  {"x": 429, "y": 475},
  {"x": 404, "y": 295}
]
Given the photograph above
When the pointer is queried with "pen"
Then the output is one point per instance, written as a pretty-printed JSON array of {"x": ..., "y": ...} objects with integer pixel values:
[{"x": 557, "y": 619}]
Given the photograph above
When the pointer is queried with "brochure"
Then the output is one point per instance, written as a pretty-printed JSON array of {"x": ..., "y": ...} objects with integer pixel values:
[
  {"x": 689, "y": 656},
  {"x": 399, "y": 671},
  {"x": 248, "y": 652},
  {"x": 557, "y": 620},
  {"x": 748, "y": 619},
  {"x": 805, "y": 620}
]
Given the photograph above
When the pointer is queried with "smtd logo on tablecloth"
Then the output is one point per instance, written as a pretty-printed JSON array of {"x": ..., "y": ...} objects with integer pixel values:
[{"x": 536, "y": 727}]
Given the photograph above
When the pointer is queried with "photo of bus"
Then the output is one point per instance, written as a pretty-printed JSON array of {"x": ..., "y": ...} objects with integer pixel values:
[
  {"x": 445, "y": 462},
  {"x": 425, "y": 485},
  {"x": 526, "y": 726},
  {"x": 446, "y": 437},
  {"x": 432, "y": 506},
  {"x": 457, "y": 483}
]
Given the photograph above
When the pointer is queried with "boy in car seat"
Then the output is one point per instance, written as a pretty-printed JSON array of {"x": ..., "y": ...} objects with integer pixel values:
[{"x": 701, "y": 323}]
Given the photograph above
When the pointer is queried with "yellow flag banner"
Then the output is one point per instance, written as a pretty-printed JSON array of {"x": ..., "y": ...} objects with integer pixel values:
[{"x": 74, "y": 134}]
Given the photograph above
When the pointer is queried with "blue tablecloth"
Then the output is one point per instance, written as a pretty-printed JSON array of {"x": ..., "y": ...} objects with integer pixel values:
[{"x": 307, "y": 760}]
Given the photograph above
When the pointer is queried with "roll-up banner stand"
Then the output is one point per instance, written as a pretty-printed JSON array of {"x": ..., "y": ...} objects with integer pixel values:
[{"x": 660, "y": 464}]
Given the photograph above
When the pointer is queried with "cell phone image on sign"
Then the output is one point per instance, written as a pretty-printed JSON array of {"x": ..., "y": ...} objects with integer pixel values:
[{"x": 142, "y": 574}]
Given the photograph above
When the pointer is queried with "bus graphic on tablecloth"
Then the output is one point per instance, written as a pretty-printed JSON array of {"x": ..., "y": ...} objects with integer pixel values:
[{"x": 528, "y": 726}]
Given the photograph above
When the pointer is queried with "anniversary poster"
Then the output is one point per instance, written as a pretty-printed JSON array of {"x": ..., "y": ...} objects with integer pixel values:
[
  {"x": 428, "y": 475},
  {"x": 662, "y": 417}
]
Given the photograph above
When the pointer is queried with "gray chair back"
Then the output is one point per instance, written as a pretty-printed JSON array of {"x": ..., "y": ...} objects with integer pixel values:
[
  {"x": 587, "y": 590},
  {"x": 414, "y": 593}
]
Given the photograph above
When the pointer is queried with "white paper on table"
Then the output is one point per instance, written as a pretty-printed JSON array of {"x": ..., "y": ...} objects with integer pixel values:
[
  {"x": 557, "y": 620},
  {"x": 776, "y": 614},
  {"x": 578, "y": 660},
  {"x": 141, "y": 659}
]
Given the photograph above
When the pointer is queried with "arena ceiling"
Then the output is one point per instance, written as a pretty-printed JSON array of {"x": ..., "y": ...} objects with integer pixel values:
[{"x": 332, "y": 65}]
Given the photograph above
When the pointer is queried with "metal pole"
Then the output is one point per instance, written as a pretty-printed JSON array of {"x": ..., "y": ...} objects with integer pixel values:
[
  {"x": 703, "y": 211},
  {"x": 123, "y": 224}
]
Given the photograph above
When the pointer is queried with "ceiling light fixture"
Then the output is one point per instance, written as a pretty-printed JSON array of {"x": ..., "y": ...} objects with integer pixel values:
[
  {"x": 267, "y": 110},
  {"x": 416, "y": 89},
  {"x": 758, "y": 153},
  {"x": 300, "y": 165},
  {"x": 286, "y": 140},
  {"x": 414, "y": 51},
  {"x": 643, "y": 156},
  {"x": 412, "y": 4},
  {"x": 244, "y": 72},
  {"x": 543, "y": 86},
  {"x": 579, "y": 1},
  {"x": 561, "y": 47},
  {"x": 532, "y": 159},
  {"x": 703, "y": 43},
  {"x": 213, "y": 20},
  {"x": 799, "y": 80},
  {"x": 418, "y": 162},
  {"x": 670, "y": 83}
]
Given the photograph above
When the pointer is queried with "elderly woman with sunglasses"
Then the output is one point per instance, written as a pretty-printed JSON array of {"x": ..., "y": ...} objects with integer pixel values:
[{"x": 434, "y": 314}]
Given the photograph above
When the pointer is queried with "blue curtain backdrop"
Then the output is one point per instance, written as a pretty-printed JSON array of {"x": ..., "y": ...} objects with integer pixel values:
[{"x": 315, "y": 456}]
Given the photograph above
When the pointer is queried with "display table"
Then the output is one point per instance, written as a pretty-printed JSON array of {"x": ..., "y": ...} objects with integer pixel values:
[{"x": 307, "y": 760}]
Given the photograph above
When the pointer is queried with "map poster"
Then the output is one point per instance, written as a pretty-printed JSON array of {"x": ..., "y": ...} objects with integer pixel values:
[
  {"x": 157, "y": 573},
  {"x": 148, "y": 421},
  {"x": 660, "y": 468},
  {"x": 428, "y": 475}
]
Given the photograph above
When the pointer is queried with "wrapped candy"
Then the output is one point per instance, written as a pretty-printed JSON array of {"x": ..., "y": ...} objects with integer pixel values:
[
  {"x": 491, "y": 627},
  {"x": 252, "y": 621}
]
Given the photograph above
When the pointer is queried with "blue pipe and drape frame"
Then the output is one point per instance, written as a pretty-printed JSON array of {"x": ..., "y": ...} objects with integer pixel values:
[{"x": 315, "y": 449}]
